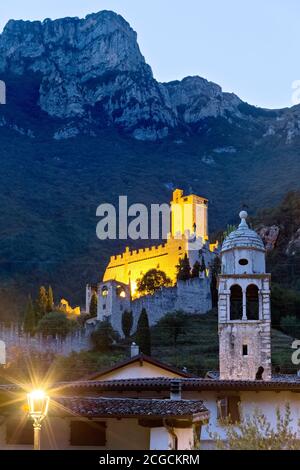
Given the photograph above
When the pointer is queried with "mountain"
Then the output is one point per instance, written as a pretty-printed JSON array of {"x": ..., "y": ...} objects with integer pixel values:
[
  {"x": 85, "y": 121},
  {"x": 90, "y": 74}
]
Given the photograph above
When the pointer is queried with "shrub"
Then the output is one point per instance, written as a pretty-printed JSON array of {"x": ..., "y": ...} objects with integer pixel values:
[{"x": 104, "y": 337}]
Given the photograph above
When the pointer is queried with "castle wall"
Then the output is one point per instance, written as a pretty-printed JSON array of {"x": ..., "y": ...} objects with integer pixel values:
[
  {"x": 18, "y": 343},
  {"x": 193, "y": 296}
]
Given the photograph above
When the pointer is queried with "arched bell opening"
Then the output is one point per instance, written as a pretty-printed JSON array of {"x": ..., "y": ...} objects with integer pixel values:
[
  {"x": 252, "y": 302},
  {"x": 236, "y": 302}
]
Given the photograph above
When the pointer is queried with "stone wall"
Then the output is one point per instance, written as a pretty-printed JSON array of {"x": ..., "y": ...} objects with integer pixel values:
[
  {"x": 235, "y": 365},
  {"x": 193, "y": 296},
  {"x": 16, "y": 340}
]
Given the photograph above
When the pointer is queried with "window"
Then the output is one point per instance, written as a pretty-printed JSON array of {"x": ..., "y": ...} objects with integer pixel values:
[
  {"x": 245, "y": 350},
  {"x": 104, "y": 291},
  {"x": 252, "y": 302},
  {"x": 88, "y": 433},
  {"x": 243, "y": 262},
  {"x": 229, "y": 409},
  {"x": 19, "y": 432},
  {"x": 236, "y": 302},
  {"x": 121, "y": 292},
  {"x": 104, "y": 306}
]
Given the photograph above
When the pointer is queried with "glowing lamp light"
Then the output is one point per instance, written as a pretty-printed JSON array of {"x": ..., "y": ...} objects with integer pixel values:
[{"x": 38, "y": 404}]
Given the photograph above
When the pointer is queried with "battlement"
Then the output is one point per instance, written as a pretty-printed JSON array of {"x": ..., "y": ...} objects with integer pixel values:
[{"x": 128, "y": 254}]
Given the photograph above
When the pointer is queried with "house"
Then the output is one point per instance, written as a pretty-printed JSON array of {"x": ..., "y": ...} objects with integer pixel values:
[
  {"x": 139, "y": 366},
  {"x": 81, "y": 418}
]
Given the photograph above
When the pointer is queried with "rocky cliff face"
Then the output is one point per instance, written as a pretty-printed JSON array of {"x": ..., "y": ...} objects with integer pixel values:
[
  {"x": 90, "y": 73},
  {"x": 269, "y": 236},
  {"x": 92, "y": 69}
]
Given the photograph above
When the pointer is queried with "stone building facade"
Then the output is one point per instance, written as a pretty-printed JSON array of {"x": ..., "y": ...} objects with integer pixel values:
[{"x": 244, "y": 307}]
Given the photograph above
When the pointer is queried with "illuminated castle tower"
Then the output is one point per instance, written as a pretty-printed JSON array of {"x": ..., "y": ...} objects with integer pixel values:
[
  {"x": 244, "y": 307},
  {"x": 189, "y": 214}
]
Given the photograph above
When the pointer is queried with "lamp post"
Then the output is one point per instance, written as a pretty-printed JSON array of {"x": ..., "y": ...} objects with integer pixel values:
[{"x": 38, "y": 403}]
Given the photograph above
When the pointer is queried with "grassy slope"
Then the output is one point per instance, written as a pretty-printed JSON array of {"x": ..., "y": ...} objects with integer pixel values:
[{"x": 198, "y": 349}]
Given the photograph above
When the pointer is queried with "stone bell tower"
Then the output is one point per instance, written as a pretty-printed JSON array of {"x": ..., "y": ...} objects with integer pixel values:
[{"x": 244, "y": 307}]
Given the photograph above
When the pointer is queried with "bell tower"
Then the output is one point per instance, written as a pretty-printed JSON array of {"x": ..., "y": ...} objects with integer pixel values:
[{"x": 244, "y": 317}]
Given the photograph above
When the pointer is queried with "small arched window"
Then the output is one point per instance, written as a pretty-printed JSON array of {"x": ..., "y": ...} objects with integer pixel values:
[
  {"x": 236, "y": 302},
  {"x": 104, "y": 291},
  {"x": 121, "y": 292}
]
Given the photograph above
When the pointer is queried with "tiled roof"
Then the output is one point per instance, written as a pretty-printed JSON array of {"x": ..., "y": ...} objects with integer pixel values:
[
  {"x": 279, "y": 382},
  {"x": 140, "y": 358},
  {"x": 126, "y": 407},
  {"x": 163, "y": 384}
]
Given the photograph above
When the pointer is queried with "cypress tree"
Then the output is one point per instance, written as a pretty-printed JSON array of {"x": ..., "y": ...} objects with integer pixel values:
[
  {"x": 143, "y": 337},
  {"x": 184, "y": 269},
  {"x": 203, "y": 265},
  {"x": 29, "y": 317},
  {"x": 41, "y": 303},
  {"x": 94, "y": 304},
  {"x": 127, "y": 323},
  {"x": 196, "y": 269},
  {"x": 50, "y": 300}
]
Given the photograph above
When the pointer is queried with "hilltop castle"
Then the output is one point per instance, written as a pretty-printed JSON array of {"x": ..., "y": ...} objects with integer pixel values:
[{"x": 189, "y": 236}]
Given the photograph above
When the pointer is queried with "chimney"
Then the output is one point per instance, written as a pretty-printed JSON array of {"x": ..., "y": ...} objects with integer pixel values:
[
  {"x": 175, "y": 392},
  {"x": 134, "y": 350}
]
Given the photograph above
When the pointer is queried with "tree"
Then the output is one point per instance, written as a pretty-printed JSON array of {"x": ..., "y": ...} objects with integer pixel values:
[
  {"x": 55, "y": 323},
  {"x": 183, "y": 269},
  {"x": 41, "y": 302},
  {"x": 143, "y": 337},
  {"x": 215, "y": 271},
  {"x": 203, "y": 265},
  {"x": 228, "y": 230},
  {"x": 127, "y": 323},
  {"x": 284, "y": 302},
  {"x": 30, "y": 317},
  {"x": 196, "y": 270},
  {"x": 94, "y": 305},
  {"x": 152, "y": 281},
  {"x": 255, "y": 432},
  {"x": 291, "y": 326},
  {"x": 104, "y": 337},
  {"x": 50, "y": 300},
  {"x": 173, "y": 324}
]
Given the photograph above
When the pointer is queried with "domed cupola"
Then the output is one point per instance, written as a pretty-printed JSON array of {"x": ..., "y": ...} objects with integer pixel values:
[
  {"x": 243, "y": 237},
  {"x": 243, "y": 251}
]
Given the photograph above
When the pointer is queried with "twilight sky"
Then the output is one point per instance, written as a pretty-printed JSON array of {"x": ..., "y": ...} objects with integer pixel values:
[{"x": 248, "y": 47}]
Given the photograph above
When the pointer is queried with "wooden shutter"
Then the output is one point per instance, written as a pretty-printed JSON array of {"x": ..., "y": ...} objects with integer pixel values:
[
  {"x": 222, "y": 404},
  {"x": 234, "y": 409}
]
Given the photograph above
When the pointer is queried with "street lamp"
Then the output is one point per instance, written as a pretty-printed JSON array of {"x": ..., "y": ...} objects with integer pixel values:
[{"x": 38, "y": 403}]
